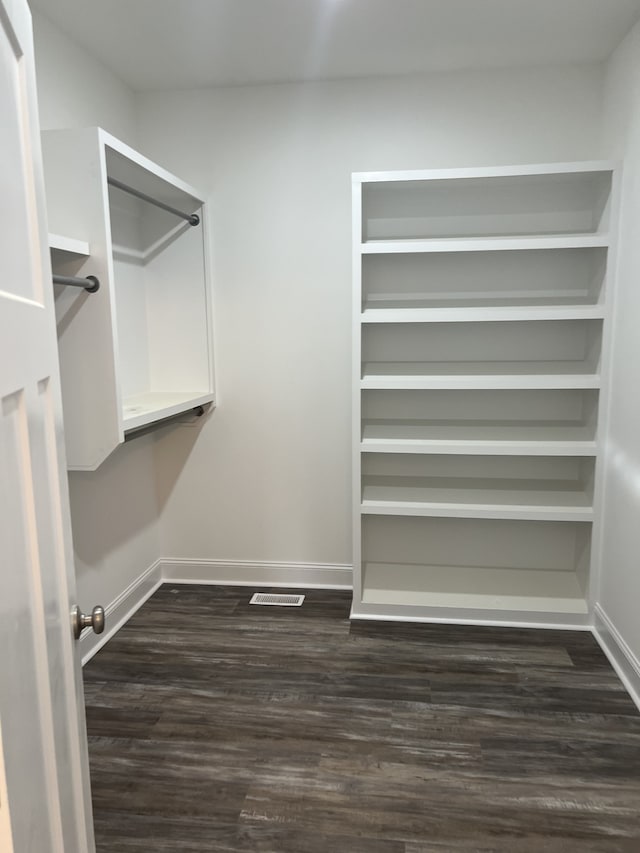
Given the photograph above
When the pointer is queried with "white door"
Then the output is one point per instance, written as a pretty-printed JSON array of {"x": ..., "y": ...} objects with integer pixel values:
[{"x": 44, "y": 784}]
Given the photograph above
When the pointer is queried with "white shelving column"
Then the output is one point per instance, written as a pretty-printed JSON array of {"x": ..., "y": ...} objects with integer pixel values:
[
  {"x": 139, "y": 350},
  {"x": 480, "y": 300}
]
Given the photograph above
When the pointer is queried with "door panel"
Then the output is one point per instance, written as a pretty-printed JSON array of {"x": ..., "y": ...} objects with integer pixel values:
[
  {"x": 17, "y": 195},
  {"x": 46, "y": 805}
]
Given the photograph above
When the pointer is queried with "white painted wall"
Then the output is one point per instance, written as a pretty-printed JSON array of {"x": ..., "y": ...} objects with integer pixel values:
[
  {"x": 620, "y": 583},
  {"x": 114, "y": 511},
  {"x": 76, "y": 90},
  {"x": 268, "y": 477}
]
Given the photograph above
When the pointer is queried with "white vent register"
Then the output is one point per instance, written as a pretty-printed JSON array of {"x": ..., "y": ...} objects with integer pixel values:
[{"x": 277, "y": 600}]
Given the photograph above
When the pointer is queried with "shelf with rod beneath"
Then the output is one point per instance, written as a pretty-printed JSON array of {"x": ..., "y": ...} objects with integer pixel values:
[
  {"x": 142, "y": 409},
  {"x": 141, "y": 349}
]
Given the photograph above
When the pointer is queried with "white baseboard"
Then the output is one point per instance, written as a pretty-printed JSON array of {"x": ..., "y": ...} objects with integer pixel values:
[
  {"x": 495, "y": 619},
  {"x": 622, "y": 659},
  {"x": 121, "y": 610},
  {"x": 246, "y": 573}
]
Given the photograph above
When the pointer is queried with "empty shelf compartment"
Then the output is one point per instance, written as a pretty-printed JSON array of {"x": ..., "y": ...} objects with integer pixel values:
[
  {"x": 509, "y": 205},
  {"x": 554, "y": 278},
  {"x": 476, "y": 564},
  {"x": 514, "y": 422},
  {"x": 545, "y": 354},
  {"x": 536, "y": 488}
]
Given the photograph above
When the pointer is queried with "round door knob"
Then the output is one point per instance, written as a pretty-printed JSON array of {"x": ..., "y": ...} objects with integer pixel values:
[{"x": 80, "y": 621}]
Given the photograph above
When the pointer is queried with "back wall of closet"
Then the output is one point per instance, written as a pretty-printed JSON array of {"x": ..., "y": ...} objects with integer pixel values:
[{"x": 266, "y": 479}]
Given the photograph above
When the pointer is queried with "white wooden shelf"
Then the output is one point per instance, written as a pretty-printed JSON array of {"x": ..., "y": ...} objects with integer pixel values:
[
  {"x": 483, "y": 439},
  {"x": 140, "y": 410},
  {"x": 483, "y": 375},
  {"x": 486, "y": 244},
  {"x": 482, "y": 588},
  {"x": 480, "y": 314},
  {"x": 69, "y": 245},
  {"x": 530, "y": 500},
  {"x": 486, "y": 173}
]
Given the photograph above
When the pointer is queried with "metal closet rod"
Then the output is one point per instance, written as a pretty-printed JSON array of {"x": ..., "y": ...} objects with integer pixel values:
[
  {"x": 192, "y": 218},
  {"x": 90, "y": 283}
]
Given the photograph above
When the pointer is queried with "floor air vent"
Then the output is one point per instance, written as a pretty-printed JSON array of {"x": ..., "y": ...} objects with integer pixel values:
[{"x": 278, "y": 600}]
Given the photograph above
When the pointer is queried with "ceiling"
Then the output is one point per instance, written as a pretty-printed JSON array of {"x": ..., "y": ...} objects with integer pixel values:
[{"x": 178, "y": 44}]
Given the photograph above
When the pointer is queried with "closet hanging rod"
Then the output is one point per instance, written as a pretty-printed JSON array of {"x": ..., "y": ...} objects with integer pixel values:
[
  {"x": 90, "y": 283},
  {"x": 192, "y": 218}
]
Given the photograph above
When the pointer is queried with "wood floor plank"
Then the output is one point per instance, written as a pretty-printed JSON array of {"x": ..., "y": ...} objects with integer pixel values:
[{"x": 215, "y": 725}]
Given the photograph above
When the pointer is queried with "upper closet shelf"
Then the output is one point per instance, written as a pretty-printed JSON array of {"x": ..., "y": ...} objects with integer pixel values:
[
  {"x": 486, "y": 244},
  {"x": 555, "y": 170},
  {"x": 69, "y": 244},
  {"x": 482, "y": 314}
]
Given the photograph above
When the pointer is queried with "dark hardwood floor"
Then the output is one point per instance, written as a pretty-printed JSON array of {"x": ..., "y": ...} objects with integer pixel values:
[{"x": 219, "y": 726}]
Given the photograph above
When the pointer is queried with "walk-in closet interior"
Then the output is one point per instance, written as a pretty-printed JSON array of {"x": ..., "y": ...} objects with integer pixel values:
[
  {"x": 368, "y": 307},
  {"x": 426, "y": 278},
  {"x": 494, "y": 442}
]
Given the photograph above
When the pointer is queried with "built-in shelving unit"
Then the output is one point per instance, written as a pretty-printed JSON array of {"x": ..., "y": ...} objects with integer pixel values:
[
  {"x": 480, "y": 304},
  {"x": 139, "y": 350}
]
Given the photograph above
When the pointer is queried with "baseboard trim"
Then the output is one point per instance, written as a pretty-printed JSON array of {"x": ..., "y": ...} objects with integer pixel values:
[
  {"x": 121, "y": 610},
  {"x": 247, "y": 573},
  {"x": 489, "y": 621},
  {"x": 621, "y": 658}
]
